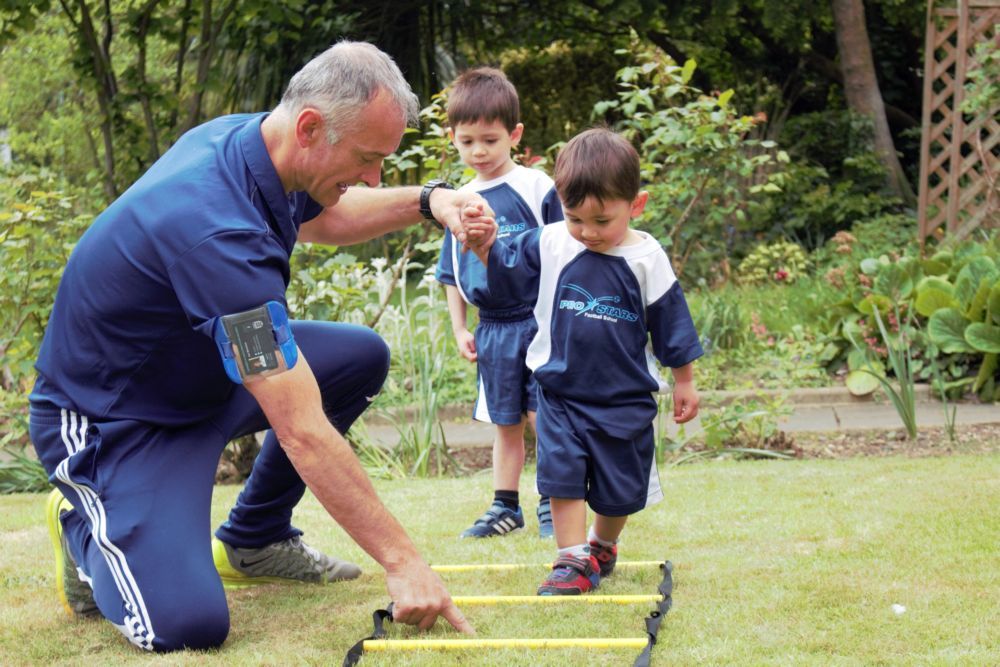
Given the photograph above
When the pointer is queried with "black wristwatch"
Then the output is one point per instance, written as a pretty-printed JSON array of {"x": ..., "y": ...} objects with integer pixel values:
[{"x": 425, "y": 196}]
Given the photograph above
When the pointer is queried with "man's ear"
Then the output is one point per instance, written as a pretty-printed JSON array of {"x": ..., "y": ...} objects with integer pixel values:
[
  {"x": 639, "y": 204},
  {"x": 309, "y": 126},
  {"x": 515, "y": 135},
  {"x": 451, "y": 136}
]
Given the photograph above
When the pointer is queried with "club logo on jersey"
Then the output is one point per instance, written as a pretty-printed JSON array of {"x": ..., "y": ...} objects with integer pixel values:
[
  {"x": 598, "y": 308},
  {"x": 505, "y": 229}
]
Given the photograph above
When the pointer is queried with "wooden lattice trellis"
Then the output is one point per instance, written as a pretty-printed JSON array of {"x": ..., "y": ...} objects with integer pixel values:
[{"x": 959, "y": 154}]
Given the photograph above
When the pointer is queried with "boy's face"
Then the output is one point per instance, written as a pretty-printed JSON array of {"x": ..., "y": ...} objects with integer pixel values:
[
  {"x": 602, "y": 226},
  {"x": 485, "y": 146}
]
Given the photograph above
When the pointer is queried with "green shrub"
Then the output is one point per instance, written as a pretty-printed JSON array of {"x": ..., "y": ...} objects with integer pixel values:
[
  {"x": 781, "y": 263},
  {"x": 41, "y": 219},
  {"x": 834, "y": 180},
  {"x": 704, "y": 168},
  {"x": 953, "y": 297}
]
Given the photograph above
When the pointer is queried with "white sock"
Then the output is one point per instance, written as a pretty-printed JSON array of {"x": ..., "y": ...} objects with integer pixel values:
[
  {"x": 592, "y": 537},
  {"x": 576, "y": 551}
]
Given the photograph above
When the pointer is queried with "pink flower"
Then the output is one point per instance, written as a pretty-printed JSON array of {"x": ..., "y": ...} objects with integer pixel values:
[{"x": 780, "y": 275}]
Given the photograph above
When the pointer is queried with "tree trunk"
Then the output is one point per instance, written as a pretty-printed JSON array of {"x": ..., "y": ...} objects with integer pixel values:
[{"x": 862, "y": 91}]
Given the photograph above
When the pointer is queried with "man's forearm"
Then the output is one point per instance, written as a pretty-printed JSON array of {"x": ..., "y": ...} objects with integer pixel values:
[
  {"x": 332, "y": 472},
  {"x": 363, "y": 214},
  {"x": 323, "y": 459}
]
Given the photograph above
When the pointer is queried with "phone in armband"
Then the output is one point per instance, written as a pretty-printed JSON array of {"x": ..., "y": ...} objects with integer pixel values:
[{"x": 256, "y": 343}]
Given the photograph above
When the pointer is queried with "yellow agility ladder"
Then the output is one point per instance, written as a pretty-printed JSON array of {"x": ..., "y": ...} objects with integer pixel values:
[{"x": 663, "y": 599}]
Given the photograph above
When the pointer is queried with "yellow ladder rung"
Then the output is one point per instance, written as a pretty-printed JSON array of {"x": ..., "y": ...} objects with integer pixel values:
[
  {"x": 503, "y": 567},
  {"x": 483, "y": 600},
  {"x": 458, "y": 644}
]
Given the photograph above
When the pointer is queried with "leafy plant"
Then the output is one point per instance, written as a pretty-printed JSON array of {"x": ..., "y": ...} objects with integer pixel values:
[
  {"x": 704, "y": 169},
  {"x": 954, "y": 298},
  {"x": 419, "y": 327},
  {"x": 782, "y": 263},
  {"x": 902, "y": 394},
  {"x": 736, "y": 430},
  {"x": 20, "y": 473},
  {"x": 40, "y": 222}
]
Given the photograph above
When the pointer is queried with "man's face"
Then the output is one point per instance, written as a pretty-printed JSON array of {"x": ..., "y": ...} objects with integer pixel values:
[{"x": 328, "y": 170}]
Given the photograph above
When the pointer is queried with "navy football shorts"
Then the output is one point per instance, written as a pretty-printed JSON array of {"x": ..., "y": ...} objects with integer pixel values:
[
  {"x": 577, "y": 459},
  {"x": 506, "y": 384}
]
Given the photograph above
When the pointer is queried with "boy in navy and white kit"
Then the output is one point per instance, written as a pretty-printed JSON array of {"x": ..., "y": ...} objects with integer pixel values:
[
  {"x": 608, "y": 306},
  {"x": 483, "y": 114}
]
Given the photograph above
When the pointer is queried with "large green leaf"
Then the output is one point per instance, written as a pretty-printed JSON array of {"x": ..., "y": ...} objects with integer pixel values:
[
  {"x": 986, "y": 370},
  {"x": 933, "y": 299},
  {"x": 936, "y": 282},
  {"x": 857, "y": 359},
  {"x": 861, "y": 382},
  {"x": 946, "y": 328},
  {"x": 977, "y": 309},
  {"x": 894, "y": 281},
  {"x": 873, "y": 301},
  {"x": 934, "y": 267},
  {"x": 968, "y": 279},
  {"x": 983, "y": 337},
  {"x": 994, "y": 303}
]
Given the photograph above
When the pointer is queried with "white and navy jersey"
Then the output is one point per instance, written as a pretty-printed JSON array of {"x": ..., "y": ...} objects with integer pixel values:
[
  {"x": 206, "y": 232},
  {"x": 603, "y": 320},
  {"x": 522, "y": 199}
]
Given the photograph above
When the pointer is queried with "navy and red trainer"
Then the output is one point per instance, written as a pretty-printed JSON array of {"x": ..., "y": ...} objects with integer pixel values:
[
  {"x": 571, "y": 576},
  {"x": 606, "y": 557}
]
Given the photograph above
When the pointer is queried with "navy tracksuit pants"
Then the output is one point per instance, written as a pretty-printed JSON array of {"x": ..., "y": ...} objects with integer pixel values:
[{"x": 140, "y": 529}]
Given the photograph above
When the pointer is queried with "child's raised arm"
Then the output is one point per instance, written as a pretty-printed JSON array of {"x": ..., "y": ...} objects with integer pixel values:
[{"x": 480, "y": 230}]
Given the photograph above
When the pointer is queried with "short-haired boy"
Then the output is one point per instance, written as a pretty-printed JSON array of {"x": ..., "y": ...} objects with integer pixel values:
[
  {"x": 483, "y": 115},
  {"x": 607, "y": 305}
]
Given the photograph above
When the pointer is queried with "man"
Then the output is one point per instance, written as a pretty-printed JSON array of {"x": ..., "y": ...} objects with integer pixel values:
[{"x": 168, "y": 338}]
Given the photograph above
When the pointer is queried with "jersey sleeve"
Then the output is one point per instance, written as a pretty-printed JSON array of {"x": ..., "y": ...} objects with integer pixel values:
[
  {"x": 445, "y": 272},
  {"x": 228, "y": 273},
  {"x": 672, "y": 333},
  {"x": 514, "y": 267},
  {"x": 551, "y": 207}
]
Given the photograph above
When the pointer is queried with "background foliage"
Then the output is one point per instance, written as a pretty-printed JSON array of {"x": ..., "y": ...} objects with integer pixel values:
[{"x": 756, "y": 166}]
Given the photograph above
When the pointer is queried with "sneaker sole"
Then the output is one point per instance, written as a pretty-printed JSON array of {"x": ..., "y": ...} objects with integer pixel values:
[{"x": 52, "y": 507}]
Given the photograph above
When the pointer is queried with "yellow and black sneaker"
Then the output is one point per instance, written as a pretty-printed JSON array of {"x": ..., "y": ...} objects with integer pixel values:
[
  {"x": 288, "y": 561},
  {"x": 74, "y": 591}
]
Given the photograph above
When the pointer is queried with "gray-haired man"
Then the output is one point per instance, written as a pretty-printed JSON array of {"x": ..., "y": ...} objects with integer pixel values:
[{"x": 169, "y": 337}]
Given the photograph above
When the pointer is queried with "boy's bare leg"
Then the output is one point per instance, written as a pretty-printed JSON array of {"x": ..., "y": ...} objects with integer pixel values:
[
  {"x": 508, "y": 456},
  {"x": 569, "y": 518},
  {"x": 608, "y": 528}
]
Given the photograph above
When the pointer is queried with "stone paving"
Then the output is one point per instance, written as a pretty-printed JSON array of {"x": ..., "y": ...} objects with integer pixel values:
[{"x": 827, "y": 409}]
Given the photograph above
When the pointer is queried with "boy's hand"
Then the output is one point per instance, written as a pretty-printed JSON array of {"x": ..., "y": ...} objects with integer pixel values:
[
  {"x": 466, "y": 344},
  {"x": 685, "y": 402},
  {"x": 447, "y": 206},
  {"x": 480, "y": 229}
]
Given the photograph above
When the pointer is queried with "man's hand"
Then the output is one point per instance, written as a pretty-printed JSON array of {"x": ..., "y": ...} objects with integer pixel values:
[
  {"x": 466, "y": 344},
  {"x": 685, "y": 402},
  {"x": 419, "y": 597},
  {"x": 447, "y": 206}
]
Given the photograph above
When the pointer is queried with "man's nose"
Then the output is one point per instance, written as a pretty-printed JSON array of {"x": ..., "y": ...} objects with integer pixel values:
[{"x": 372, "y": 176}]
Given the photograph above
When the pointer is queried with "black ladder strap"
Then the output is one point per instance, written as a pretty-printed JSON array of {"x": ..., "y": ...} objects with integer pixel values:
[
  {"x": 379, "y": 617},
  {"x": 666, "y": 589}
]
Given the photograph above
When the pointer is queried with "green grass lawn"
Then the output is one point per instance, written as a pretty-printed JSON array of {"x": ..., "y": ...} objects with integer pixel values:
[{"x": 775, "y": 563}]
